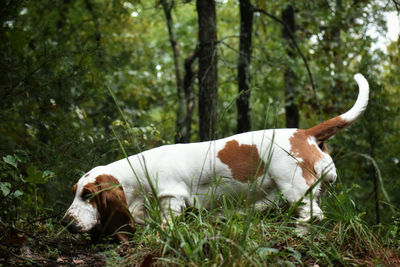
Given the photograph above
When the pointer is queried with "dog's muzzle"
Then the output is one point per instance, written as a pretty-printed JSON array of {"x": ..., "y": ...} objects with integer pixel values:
[{"x": 69, "y": 222}]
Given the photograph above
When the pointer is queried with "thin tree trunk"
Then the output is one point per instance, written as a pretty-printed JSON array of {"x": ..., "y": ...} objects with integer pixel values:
[
  {"x": 189, "y": 95},
  {"x": 243, "y": 101},
  {"x": 208, "y": 79},
  {"x": 291, "y": 109},
  {"x": 91, "y": 7},
  {"x": 181, "y": 133}
]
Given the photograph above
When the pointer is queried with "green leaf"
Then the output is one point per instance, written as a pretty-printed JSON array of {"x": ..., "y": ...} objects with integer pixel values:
[
  {"x": 11, "y": 160},
  {"x": 48, "y": 175},
  {"x": 5, "y": 188},
  {"x": 186, "y": 248},
  {"x": 18, "y": 193},
  {"x": 35, "y": 176}
]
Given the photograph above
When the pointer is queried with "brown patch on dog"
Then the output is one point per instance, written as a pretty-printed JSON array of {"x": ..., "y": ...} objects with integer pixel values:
[
  {"x": 108, "y": 197},
  {"x": 74, "y": 189},
  {"x": 243, "y": 160},
  {"x": 327, "y": 128},
  {"x": 309, "y": 153},
  {"x": 86, "y": 175}
]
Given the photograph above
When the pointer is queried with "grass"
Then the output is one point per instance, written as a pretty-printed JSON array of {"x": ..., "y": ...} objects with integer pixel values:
[
  {"x": 260, "y": 238},
  {"x": 223, "y": 237}
]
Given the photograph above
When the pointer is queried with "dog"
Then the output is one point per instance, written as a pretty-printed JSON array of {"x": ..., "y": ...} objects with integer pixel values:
[{"x": 111, "y": 199}]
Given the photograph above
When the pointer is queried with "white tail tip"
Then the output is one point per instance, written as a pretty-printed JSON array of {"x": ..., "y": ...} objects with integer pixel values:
[
  {"x": 362, "y": 99},
  {"x": 361, "y": 81}
]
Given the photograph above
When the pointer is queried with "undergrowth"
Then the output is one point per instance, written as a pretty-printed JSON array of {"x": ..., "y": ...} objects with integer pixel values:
[
  {"x": 259, "y": 238},
  {"x": 223, "y": 237}
]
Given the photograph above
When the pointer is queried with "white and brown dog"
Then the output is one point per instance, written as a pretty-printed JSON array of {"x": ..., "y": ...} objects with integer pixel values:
[{"x": 111, "y": 198}]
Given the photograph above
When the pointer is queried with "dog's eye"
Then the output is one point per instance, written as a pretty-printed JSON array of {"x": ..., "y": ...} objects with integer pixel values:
[{"x": 86, "y": 194}]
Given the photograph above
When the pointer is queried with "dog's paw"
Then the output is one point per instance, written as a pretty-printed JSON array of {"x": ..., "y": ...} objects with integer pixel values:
[
  {"x": 302, "y": 229},
  {"x": 306, "y": 214}
]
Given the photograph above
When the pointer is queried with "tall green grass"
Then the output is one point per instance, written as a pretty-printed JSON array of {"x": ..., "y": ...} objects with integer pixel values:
[{"x": 226, "y": 237}]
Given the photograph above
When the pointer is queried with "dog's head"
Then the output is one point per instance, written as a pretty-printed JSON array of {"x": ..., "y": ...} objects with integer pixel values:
[{"x": 99, "y": 207}]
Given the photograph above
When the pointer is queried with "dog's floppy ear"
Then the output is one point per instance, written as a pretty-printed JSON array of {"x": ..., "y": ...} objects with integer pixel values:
[
  {"x": 114, "y": 213},
  {"x": 74, "y": 187}
]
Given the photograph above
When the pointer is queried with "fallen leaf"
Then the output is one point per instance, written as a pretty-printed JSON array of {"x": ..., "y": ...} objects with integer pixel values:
[{"x": 78, "y": 261}]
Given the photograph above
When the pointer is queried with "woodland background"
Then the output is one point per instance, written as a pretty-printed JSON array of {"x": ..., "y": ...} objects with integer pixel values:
[{"x": 80, "y": 78}]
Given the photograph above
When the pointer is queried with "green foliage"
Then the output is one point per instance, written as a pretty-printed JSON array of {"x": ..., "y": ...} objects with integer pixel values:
[
  {"x": 222, "y": 237},
  {"x": 18, "y": 187},
  {"x": 59, "y": 61}
]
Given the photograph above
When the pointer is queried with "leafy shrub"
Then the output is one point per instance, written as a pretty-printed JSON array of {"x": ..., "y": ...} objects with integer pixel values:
[{"x": 19, "y": 181}]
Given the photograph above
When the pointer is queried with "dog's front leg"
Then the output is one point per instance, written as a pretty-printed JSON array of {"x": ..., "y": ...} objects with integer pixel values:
[
  {"x": 295, "y": 190},
  {"x": 171, "y": 206},
  {"x": 309, "y": 210}
]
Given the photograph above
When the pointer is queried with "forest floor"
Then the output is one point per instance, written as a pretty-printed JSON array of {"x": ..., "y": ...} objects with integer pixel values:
[
  {"x": 39, "y": 247},
  {"x": 35, "y": 246},
  {"x": 47, "y": 244}
]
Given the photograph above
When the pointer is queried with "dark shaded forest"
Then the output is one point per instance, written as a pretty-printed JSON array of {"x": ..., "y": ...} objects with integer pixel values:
[{"x": 82, "y": 82}]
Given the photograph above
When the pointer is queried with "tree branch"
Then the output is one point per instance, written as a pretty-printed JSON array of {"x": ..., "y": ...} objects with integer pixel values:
[{"x": 396, "y": 4}]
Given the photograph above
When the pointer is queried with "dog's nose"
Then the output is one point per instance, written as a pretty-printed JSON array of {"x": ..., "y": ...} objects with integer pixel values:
[{"x": 68, "y": 222}]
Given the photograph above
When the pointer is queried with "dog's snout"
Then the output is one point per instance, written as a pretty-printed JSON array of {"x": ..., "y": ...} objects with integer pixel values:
[
  {"x": 66, "y": 220},
  {"x": 69, "y": 222}
]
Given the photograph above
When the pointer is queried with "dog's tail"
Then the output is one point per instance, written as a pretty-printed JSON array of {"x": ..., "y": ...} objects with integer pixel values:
[{"x": 328, "y": 128}]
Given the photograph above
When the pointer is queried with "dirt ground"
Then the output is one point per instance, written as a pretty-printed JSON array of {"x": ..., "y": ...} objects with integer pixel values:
[
  {"x": 43, "y": 247},
  {"x": 47, "y": 245}
]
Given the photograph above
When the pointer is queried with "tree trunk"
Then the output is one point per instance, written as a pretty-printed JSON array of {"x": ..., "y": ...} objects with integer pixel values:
[
  {"x": 291, "y": 109},
  {"x": 242, "y": 102},
  {"x": 181, "y": 133},
  {"x": 189, "y": 95},
  {"x": 208, "y": 93}
]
